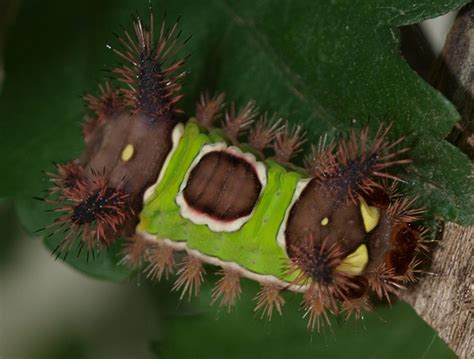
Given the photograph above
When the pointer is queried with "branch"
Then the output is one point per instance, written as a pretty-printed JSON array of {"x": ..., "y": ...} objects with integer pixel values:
[{"x": 444, "y": 300}]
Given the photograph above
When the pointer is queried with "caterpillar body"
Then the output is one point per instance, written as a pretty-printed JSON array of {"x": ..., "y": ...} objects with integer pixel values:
[{"x": 336, "y": 231}]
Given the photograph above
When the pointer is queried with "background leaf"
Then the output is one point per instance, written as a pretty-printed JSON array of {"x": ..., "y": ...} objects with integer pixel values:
[{"x": 213, "y": 333}]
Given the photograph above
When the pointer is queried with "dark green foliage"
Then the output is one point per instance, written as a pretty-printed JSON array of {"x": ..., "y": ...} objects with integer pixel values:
[{"x": 328, "y": 65}]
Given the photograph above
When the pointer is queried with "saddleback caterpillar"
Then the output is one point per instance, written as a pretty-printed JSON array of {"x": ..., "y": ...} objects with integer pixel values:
[{"x": 336, "y": 231}]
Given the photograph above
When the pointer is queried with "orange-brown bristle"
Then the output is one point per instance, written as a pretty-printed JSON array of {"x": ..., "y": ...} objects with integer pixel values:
[
  {"x": 152, "y": 77},
  {"x": 269, "y": 298},
  {"x": 315, "y": 305},
  {"x": 161, "y": 262},
  {"x": 135, "y": 252},
  {"x": 356, "y": 298},
  {"x": 383, "y": 281},
  {"x": 209, "y": 109},
  {"x": 403, "y": 209},
  {"x": 413, "y": 271},
  {"x": 317, "y": 261},
  {"x": 355, "y": 307},
  {"x": 103, "y": 107},
  {"x": 357, "y": 289},
  {"x": 405, "y": 238},
  {"x": 394, "y": 244},
  {"x": 227, "y": 289},
  {"x": 288, "y": 143},
  {"x": 66, "y": 177},
  {"x": 315, "y": 264},
  {"x": 423, "y": 245},
  {"x": 190, "y": 276},
  {"x": 235, "y": 123},
  {"x": 321, "y": 159},
  {"x": 264, "y": 132},
  {"x": 90, "y": 210},
  {"x": 106, "y": 104}
]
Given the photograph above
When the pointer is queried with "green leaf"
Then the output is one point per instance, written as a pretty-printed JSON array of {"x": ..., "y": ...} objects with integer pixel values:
[
  {"x": 392, "y": 332},
  {"x": 328, "y": 65},
  {"x": 105, "y": 265}
]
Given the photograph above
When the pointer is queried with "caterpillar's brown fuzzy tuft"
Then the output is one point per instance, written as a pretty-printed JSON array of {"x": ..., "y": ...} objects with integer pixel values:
[
  {"x": 161, "y": 262},
  {"x": 403, "y": 209},
  {"x": 356, "y": 306},
  {"x": 67, "y": 176},
  {"x": 269, "y": 298},
  {"x": 227, "y": 289},
  {"x": 90, "y": 210},
  {"x": 288, "y": 143},
  {"x": 153, "y": 77},
  {"x": 235, "y": 123},
  {"x": 356, "y": 298},
  {"x": 413, "y": 271},
  {"x": 135, "y": 252},
  {"x": 353, "y": 165},
  {"x": 105, "y": 106},
  {"x": 264, "y": 132},
  {"x": 321, "y": 158},
  {"x": 317, "y": 261},
  {"x": 423, "y": 245},
  {"x": 315, "y": 305},
  {"x": 383, "y": 281},
  {"x": 315, "y": 265},
  {"x": 209, "y": 109},
  {"x": 190, "y": 276}
]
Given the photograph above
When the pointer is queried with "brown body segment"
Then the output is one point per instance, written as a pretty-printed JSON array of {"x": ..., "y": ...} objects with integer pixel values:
[
  {"x": 128, "y": 136},
  {"x": 223, "y": 186},
  {"x": 151, "y": 144},
  {"x": 317, "y": 213}
]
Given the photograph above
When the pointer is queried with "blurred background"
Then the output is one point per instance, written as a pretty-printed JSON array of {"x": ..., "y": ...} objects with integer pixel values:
[{"x": 49, "y": 310}]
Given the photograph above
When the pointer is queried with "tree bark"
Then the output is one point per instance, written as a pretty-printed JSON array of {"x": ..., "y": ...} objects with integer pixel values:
[{"x": 445, "y": 299}]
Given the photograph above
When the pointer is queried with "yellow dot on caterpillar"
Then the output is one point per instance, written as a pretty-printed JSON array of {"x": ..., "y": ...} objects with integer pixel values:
[
  {"x": 324, "y": 221},
  {"x": 127, "y": 152},
  {"x": 354, "y": 263},
  {"x": 370, "y": 215}
]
